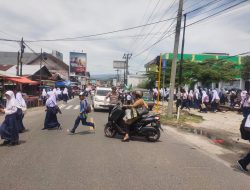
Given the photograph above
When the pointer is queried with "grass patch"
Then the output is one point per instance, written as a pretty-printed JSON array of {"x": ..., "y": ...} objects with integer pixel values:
[{"x": 184, "y": 119}]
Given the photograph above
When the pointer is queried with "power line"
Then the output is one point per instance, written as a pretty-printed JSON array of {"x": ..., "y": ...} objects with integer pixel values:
[
  {"x": 152, "y": 28},
  {"x": 167, "y": 10},
  {"x": 195, "y": 4},
  {"x": 167, "y": 31},
  {"x": 162, "y": 38},
  {"x": 203, "y": 6},
  {"x": 217, "y": 13},
  {"x": 38, "y": 54},
  {"x": 205, "y": 18},
  {"x": 9, "y": 40},
  {"x": 222, "y": 5},
  {"x": 91, "y": 35},
  {"x": 134, "y": 42},
  {"x": 103, "y": 33}
]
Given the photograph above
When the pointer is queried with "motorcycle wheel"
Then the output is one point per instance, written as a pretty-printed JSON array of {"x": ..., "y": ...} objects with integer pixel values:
[
  {"x": 109, "y": 130},
  {"x": 155, "y": 136}
]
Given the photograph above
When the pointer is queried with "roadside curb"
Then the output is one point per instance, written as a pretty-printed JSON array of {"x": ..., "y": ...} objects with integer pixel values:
[{"x": 216, "y": 137}]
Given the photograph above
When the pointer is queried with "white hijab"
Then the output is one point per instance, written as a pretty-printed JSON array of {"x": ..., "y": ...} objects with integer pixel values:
[
  {"x": 204, "y": 95},
  {"x": 52, "y": 99},
  {"x": 12, "y": 101},
  {"x": 44, "y": 93},
  {"x": 20, "y": 101},
  {"x": 65, "y": 91},
  {"x": 215, "y": 94},
  {"x": 58, "y": 91},
  {"x": 54, "y": 90}
]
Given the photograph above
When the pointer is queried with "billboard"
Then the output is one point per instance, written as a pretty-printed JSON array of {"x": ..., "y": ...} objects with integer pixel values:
[
  {"x": 78, "y": 64},
  {"x": 119, "y": 64}
]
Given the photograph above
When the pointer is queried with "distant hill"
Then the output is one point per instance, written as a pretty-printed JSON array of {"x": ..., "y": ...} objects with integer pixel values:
[{"x": 103, "y": 76}]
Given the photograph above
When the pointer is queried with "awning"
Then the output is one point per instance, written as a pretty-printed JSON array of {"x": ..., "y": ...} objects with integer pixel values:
[{"x": 22, "y": 80}]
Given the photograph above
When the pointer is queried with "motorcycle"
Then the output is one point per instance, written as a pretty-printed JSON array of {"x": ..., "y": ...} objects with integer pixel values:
[{"x": 148, "y": 126}]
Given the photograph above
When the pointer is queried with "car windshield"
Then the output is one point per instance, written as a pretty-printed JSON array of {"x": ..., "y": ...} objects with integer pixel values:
[{"x": 102, "y": 92}]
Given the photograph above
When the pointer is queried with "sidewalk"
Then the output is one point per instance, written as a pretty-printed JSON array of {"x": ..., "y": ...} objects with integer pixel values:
[{"x": 222, "y": 128}]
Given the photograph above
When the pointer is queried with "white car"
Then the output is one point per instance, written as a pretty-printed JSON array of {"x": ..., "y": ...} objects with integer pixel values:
[{"x": 100, "y": 98}]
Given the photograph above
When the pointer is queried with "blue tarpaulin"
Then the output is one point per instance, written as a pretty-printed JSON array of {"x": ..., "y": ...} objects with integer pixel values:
[{"x": 62, "y": 83}]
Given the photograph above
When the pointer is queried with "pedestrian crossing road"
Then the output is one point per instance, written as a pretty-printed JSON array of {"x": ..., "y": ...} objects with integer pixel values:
[
  {"x": 69, "y": 107},
  {"x": 72, "y": 107}
]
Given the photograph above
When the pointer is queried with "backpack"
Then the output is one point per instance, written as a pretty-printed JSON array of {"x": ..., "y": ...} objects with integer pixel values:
[
  {"x": 245, "y": 135},
  {"x": 88, "y": 110}
]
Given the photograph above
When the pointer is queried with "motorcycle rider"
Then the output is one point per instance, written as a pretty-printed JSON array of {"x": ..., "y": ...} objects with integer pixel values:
[{"x": 138, "y": 103}]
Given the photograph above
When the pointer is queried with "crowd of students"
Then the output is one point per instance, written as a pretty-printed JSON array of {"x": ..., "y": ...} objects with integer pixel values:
[
  {"x": 202, "y": 98},
  {"x": 16, "y": 107},
  {"x": 64, "y": 94},
  {"x": 205, "y": 99}
]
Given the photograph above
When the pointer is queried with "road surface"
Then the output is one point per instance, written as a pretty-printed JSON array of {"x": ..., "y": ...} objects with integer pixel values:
[{"x": 51, "y": 160}]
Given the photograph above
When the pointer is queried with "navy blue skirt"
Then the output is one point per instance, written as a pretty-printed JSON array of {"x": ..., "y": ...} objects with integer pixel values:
[
  {"x": 51, "y": 119},
  {"x": 65, "y": 97},
  {"x": 20, "y": 116},
  {"x": 9, "y": 128}
]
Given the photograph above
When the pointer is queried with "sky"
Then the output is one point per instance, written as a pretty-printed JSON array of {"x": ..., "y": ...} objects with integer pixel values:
[{"x": 53, "y": 19}]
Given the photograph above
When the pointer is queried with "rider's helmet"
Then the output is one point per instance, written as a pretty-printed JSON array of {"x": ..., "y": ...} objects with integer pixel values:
[{"x": 138, "y": 93}]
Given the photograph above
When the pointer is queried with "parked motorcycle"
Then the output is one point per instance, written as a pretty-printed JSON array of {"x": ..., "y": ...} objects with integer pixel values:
[{"x": 148, "y": 126}]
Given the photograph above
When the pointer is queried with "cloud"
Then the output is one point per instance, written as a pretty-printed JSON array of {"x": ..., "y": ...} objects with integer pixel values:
[{"x": 48, "y": 19}]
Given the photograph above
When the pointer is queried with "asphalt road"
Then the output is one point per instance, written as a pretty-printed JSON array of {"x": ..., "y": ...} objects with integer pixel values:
[{"x": 54, "y": 160}]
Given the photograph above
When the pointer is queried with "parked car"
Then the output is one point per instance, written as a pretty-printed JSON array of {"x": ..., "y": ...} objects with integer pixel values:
[{"x": 100, "y": 98}]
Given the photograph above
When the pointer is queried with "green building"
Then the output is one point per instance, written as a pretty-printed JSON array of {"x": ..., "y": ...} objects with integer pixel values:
[{"x": 237, "y": 83}]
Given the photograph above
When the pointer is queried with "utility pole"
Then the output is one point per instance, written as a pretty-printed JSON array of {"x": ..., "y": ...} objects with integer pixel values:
[
  {"x": 164, "y": 76},
  {"x": 21, "y": 57},
  {"x": 126, "y": 56},
  {"x": 182, "y": 50},
  {"x": 18, "y": 62},
  {"x": 41, "y": 59},
  {"x": 117, "y": 74},
  {"x": 175, "y": 55},
  {"x": 159, "y": 81}
]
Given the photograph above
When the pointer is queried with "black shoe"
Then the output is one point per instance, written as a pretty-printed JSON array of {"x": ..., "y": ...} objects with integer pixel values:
[
  {"x": 13, "y": 143},
  {"x": 241, "y": 166},
  {"x": 70, "y": 131},
  {"x": 43, "y": 128}
]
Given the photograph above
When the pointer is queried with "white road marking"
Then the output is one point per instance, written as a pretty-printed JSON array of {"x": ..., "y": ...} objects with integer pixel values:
[
  {"x": 62, "y": 106},
  {"x": 67, "y": 108},
  {"x": 77, "y": 107}
]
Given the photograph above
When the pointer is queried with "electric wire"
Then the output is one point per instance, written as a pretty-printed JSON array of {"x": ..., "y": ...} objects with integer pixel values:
[
  {"x": 196, "y": 22},
  {"x": 203, "y": 6},
  {"x": 165, "y": 12}
]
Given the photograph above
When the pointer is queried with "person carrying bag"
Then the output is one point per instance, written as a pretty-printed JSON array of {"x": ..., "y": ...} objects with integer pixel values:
[{"x": 140, "y": 107}]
